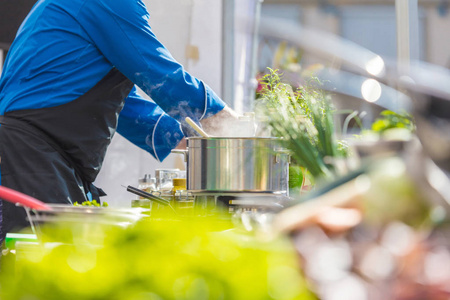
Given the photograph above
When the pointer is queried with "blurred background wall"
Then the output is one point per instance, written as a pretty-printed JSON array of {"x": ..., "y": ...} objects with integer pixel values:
[{"x": 371, "y": 23}]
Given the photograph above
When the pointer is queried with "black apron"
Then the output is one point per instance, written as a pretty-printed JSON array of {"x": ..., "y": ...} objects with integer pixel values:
[{"x": 54, "y": 154}]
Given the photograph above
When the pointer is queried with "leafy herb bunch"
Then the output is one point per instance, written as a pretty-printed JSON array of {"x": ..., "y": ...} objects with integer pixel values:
[
  {"x": 303, "y": 117},
  {"x": 389, "y": 120}
]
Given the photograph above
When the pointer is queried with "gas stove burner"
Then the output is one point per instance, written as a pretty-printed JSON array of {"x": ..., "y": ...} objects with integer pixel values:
[
  {"x": 239, "y": 193},
  {"x": 231, "y": 202}
]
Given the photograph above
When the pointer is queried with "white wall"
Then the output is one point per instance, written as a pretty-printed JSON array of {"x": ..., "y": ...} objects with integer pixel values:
[
  {"x": 206, "y": 34},
  {"x": 177, "y": 24}
]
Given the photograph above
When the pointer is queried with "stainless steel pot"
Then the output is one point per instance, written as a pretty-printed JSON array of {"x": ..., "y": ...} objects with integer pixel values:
[{"x": 236, "y": 165}]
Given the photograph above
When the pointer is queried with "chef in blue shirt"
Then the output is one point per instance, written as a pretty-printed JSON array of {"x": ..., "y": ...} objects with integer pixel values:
[{"x": 69, "y": 82}]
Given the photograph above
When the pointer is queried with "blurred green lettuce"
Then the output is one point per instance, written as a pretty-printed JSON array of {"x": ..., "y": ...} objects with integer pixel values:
[{"x": 159, "y": 259}]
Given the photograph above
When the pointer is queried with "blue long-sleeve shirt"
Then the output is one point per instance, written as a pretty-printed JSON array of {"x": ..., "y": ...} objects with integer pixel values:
[{"x": 64, "y": 48}]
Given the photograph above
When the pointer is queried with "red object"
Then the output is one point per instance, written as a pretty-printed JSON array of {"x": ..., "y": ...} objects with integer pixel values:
[{"x": 13, "y": 196}]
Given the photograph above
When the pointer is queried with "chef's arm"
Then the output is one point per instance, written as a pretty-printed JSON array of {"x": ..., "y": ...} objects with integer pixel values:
[
  {"x": 121, "y": 31},
  {"x": 146, "y": 125}
]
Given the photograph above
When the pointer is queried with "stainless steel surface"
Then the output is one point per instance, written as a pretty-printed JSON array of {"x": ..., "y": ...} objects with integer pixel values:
[
  {"x": 221, "y": 165},
  {"x": 84, "y": 214},
  {"x": 86, "y": 224}
]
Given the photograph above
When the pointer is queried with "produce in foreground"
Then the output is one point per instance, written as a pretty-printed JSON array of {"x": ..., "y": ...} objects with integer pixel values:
[{"x": 161, "y": 259}]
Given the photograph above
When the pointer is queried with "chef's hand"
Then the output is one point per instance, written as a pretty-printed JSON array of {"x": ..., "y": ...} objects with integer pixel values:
[
  {"x": 217, "y": 124},
  {"x": 182, "y": 144}
]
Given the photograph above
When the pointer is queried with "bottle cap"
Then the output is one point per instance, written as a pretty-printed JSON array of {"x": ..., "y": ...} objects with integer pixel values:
[
  {"x": 146, "y": 178},
  {"x": 179, "y": 182}
]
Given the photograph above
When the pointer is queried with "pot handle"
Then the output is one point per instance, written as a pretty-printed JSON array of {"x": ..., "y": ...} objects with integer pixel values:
[
  {"x": 181, "y": 151},
  {"x": 282, "y": 152},
  {"x": 17, "y": 197}
]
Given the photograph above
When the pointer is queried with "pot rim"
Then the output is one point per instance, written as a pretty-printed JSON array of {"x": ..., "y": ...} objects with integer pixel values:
[{"x": 232, "y": 138}]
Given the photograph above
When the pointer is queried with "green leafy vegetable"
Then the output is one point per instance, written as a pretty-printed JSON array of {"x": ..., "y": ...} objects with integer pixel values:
[
  {"x": 389, "y": 120},
  {"x": 161, "y": 260},
  {"x": 92, "y": 203},
  {"x": 304, "y": 119}
]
